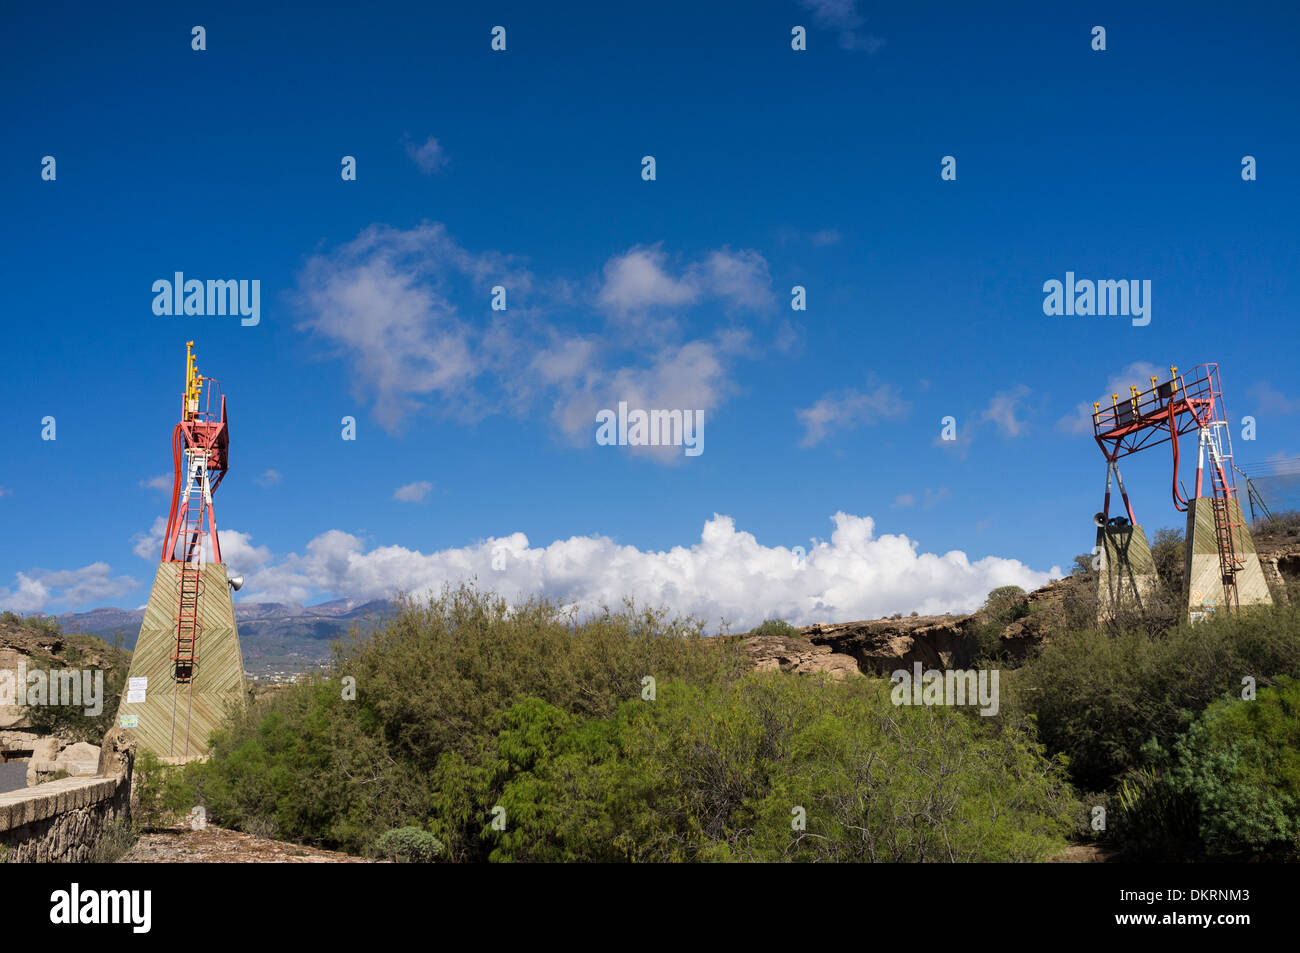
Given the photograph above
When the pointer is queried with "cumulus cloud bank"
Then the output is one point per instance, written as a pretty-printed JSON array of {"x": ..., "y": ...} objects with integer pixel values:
[
  {"x": 727, "y": 575},
  {"x": 32, "y": 591}
]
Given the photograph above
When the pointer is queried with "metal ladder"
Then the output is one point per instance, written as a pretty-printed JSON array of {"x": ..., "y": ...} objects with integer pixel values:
[
  {"x": 188, "y": 627},
  {"x": 1226, "y": 528}
]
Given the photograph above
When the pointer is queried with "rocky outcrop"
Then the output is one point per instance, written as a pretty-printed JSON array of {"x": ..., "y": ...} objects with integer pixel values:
[
  {"x": 35, "y": 647},
  {"x": 1045, "y": 613},
  {"x": 881, "y": 646},
  {"x": 53, "y": 758},
  {"x": 1281, "y": 566},
  {"x": 799, "y": 655}
]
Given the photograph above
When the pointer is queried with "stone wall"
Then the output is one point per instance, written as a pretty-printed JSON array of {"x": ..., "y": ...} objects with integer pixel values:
[{"x": 63, "y": 821}]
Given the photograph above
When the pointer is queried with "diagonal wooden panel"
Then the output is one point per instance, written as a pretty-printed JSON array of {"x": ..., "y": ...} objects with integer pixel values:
[
  {"x": 175, "y": 719},
  {"x": 1203, "y": 574},
  {"x": 1127, "y": 575}
]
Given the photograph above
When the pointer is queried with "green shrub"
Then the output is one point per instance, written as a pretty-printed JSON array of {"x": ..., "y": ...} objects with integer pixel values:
[
  {"x": 409, "y": 844},
  {"x": 1169, "y": 554},
  {"x": 777, "y": 627},
  {"x": 71, "y": 722},
  {"x": 1003, "y": 606},
  {"x": 775, "y": 768},
  {"x": 432, "y": 689},
  {"x": 1157, "y": 820},
  {"x": 162, "y": 798},
  {"x": 1098, "y": 698},
  {"x": 1082, "y": 565},
  {"x": 1240, "y": 761}
]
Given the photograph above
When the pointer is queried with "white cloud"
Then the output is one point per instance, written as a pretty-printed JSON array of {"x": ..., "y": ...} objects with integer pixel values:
[
  {"x": 727, "y": 574},
  {"x": 413, "y": 492},
  {"x": 687, "y": 377},
  {"x": 929, "y": 498},
  {"x": 5, "y": 491},
  {"x": 37, "y": 588},
  {"x": 384, "y": 303},
  {"x": 1139, "y": 373},
  {"x": 740, "y": 279},
  {"x": 428, "y": 156},
  {"x": 639, "y": 280},
  {"x": 238, "y": 552},
  {"x": 267, "y": 478},
  {"x": 162, "y": 482},
  {"x": 148, "y": 545},
  {"x": 1273, "y": 401},
  {"x": 843, "y": 17},
  {"x": 237, "y": 549},
  {"x": 846, "y": 409},
  {"x": 28, "y": 595},
  {"x": 1001, "y": 410}
]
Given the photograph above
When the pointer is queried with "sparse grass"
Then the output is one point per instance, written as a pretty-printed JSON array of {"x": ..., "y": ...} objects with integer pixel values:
[
  {"x": 1284, "y": 523},
  {"x": 114, "y": 844}
]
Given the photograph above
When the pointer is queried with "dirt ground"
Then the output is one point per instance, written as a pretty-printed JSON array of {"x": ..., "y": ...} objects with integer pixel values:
[{"x": 217, "y": 845}]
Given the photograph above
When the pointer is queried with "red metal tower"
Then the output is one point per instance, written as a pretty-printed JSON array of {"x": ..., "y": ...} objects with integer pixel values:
[
  {"x": 1162, "y": 414},
  {"x": 200, "y": 443}
]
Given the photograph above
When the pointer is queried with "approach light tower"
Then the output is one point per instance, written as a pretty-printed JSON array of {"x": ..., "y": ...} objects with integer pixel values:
[
  {"x": 187, "y": 666},
  {"x": 1221, "y": 563}
]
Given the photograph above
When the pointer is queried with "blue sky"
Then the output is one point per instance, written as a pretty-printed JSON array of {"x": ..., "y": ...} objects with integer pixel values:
[{"x": 523, "y": 169}]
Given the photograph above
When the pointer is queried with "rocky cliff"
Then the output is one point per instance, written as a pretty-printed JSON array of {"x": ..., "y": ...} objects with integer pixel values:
[{"x": 880, "y": 646}]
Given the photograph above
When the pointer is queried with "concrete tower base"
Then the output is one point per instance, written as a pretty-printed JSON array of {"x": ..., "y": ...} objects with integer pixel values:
[
  {"x": 1203, "y": 574},
  {"x": 171, "y": 719},
  {"x": 1127, "y": 576}
]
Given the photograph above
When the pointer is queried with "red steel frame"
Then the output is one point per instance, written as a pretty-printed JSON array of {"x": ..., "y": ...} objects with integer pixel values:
[
  {"x": 1162, "y": 414},
  {"x": 200, "y": 447},
  {"x": 203, "y": 430}
]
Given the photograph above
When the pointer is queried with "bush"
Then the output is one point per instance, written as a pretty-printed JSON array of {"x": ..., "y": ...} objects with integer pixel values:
[
  {"x": 40, "y": 624},
  {"x": 1169, "y": 554},
  {"x": 1283, "y": 523},
  {"x": 162, "y": 798},
  {"x": 71, "y": 723},
  {"x": 73, "y": 651},
  {"x": 1157, "y": 820},
  {"x": 1240, "y": 762},
  {"x": 775, "y": 768},
  {"x": 410, "y": 844},
  {"x": 777, "y": 627},
  {"x": 1098, "y": 698},
  {"x": 432, "y": 690},
  {"x": 1004, "y": 605},
  {"x": 1082, "y": 565}
]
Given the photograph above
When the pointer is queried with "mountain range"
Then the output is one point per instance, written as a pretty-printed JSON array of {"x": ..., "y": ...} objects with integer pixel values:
[{"x": 274, "y": 636}]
